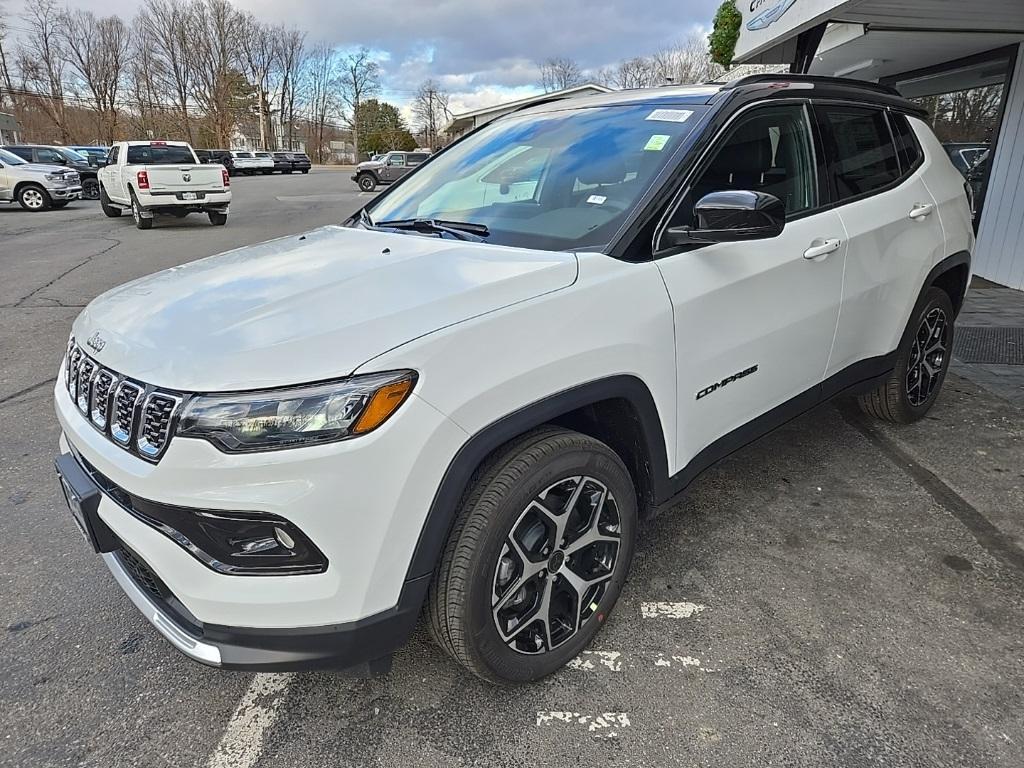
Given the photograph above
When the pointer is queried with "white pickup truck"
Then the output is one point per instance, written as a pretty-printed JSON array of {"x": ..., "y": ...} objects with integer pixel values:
[{"x": 162, "y": 177}]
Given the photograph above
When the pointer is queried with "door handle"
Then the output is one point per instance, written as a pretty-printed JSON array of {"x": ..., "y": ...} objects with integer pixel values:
[
  {"x": 920, "y": 210},
  {"x": 822, "y": 249}
]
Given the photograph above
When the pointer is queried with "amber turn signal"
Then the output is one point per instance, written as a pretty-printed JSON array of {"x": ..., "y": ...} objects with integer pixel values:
[{"x": 384, "y": 402}]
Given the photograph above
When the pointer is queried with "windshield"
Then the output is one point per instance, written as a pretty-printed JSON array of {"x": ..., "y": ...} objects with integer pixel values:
[
  {"x": 72, "y": 155},
  {"x": 554, "y": 181},
  {"x": 159, "y": 154},
  {"x": 9, "y": 158}
]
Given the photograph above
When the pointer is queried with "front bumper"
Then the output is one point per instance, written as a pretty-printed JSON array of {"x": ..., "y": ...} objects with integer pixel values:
[
  {"x": 65, "y": 193},
  {"x": 362, "y": 502}
]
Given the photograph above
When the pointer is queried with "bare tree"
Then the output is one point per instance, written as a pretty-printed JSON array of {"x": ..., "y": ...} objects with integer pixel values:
[
  {"x": 290, "y": 58},
  {"x": 258, "y": 53},
  {"x": 321, "y": 76},
  {"x": 360, "y": 79},
  {"x": 688, "y": 61},
  {"x": 430, "y": 107},
  {"x": 558, "y": 73},
  {"x": 41, "y": 62},
  {"x": 6, "y": 84},
  {"x": 96, "y": 51},
  {"x": 638, "y": 72},
  {"x": 163, "y": 32},
  {"x": 217, "y": 85}
]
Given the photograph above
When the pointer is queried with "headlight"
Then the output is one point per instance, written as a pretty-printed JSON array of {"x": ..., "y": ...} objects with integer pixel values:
[
  {"x": 288, "y": 418},
  {"x": 54, "y": 177}
]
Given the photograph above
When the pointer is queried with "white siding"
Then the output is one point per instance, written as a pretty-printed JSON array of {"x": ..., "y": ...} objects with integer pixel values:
[{"x": 999, "y": 254}]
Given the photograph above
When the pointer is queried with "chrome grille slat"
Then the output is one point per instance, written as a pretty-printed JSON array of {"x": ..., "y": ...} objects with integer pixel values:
[{"x": 136, "y": 416}]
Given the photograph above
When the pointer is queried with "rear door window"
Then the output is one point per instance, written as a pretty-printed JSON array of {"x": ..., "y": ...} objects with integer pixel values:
[{"x": 861, "y": 152}]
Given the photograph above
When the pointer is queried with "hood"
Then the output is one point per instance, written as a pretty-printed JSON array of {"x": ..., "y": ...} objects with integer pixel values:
[
  {"x": 306, "y": 308},
  {"x": 40, "y": 168},
  {"x": 368, "y": 164}
]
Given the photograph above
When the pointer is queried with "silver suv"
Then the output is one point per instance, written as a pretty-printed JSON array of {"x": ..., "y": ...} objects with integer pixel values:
[
  {"x": 36, "y": 187},
  {"x": 386, "y": 169}
]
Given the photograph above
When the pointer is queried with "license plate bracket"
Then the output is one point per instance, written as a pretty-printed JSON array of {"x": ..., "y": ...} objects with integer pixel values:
[
  {"x": 189, "y": 196},
  {"x": 83, "y": 499}
]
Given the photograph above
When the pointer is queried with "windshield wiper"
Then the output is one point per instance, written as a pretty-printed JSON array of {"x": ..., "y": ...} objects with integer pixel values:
[{"x": 463, "y": 230}]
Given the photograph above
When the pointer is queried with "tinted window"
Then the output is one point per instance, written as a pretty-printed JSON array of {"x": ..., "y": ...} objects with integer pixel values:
[
  {"x": 49, "y": 156},
  {"x": 863, "y": 157},
  {"x": 22, "y": 152},
  {"x": 112, "y": 157},
  {"x": 906, "y": 142},
  {"x": 417, "y": 157},
  {"x": 768, "y": 150},
  {"x": 556, "y": 180},
  {"x": 159, "y": 154},
  {"x": 398, "y": 160},
  {"x": 9, "y": 158}
]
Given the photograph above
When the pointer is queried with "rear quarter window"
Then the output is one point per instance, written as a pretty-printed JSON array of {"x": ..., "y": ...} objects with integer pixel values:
[
  {"x": 907, "y": 145},
  {"x": 862, "y": 155}
]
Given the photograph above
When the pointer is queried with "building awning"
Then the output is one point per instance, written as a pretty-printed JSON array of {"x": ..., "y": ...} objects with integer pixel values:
[{"x": 873, "y": 39}]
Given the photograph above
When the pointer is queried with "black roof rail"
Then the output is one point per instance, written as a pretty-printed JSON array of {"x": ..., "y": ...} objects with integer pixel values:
[{"x": 786, "y": 77}]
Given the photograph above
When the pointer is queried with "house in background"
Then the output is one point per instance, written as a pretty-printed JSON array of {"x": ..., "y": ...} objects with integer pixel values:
[
  {"x": 9, "y": 129},
  {"x": 467, "y": 121}
]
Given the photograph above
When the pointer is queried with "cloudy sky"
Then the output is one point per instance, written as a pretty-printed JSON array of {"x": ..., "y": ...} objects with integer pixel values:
[{"x": 481, "y": 51}]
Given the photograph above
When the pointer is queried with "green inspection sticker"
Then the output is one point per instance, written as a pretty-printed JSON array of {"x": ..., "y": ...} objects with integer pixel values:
[{"x": 657, "y": 142}]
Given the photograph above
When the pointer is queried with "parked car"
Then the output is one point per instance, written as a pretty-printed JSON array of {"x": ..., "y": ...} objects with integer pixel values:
[
  {"x": 36, "y": 187},
  {"x": 165, "y": 178},
  {"x": 288, "y": 162},
  {"x": 460, "y": 403},
  {"x": 91, "y": 151},
  {"x": 965, "y": 154},
  {"x": 244, "y": 162},
  {"x": 386, "y": 170},
  {"x": 263, "y": 163},
  {"x": 42, "y": 154}
]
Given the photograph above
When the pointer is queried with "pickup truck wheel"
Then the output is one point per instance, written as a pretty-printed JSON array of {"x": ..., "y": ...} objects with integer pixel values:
[
  {"x": 366, "y": 182},
  {"x": 217, "y": 219},
  {"x": 537, "y": 558},
  {"x": 141, "y": 222},
  {"x": 111, "y": 211},
  {"x": 921, "y": 364},
  {"x": 90, "y": 189},
  {"x": 33, "y": 198}
]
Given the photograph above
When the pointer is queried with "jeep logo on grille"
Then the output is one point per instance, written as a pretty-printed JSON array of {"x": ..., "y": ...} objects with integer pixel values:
[
  {"x": 96, "y": 342},
  {"x": 186, "y": 177}
]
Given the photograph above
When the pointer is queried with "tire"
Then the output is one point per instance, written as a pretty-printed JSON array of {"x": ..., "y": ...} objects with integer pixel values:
[
  {"x": 34, "y": 198},
  {"x": 109, "y": 210},
  {"x": 305, "y": 170},
  {"x": 141, "y": 222},
  {"x": 921, "y": 364},
  {"x": 366, "y": 182},
  {"x": 217, "y": 219},
  {"x": 287, "y": 171},
  {"x": 478, "y": 560},
  {"x": 90, "y": 189}
]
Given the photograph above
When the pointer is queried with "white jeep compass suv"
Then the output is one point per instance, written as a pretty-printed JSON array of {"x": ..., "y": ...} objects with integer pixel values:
[{"x": 459, "y": 402}]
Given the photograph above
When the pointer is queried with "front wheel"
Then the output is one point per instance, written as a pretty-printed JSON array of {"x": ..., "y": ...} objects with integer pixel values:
[
  {"x": 217, "y": 218},
  {"x": 110, "y": 211},
  {"x": 305, "y": 170},
  {"x": 537, "y": 558},
  {"x": 921, "y": 364},
  {"x": 33, "y": 198},
  {"x": 90, "y": 189},
  {"x": 366, "y": 182}
]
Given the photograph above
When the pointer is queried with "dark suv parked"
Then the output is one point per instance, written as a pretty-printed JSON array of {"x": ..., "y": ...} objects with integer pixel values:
[
  {"x": 50, "y": 155},
  {"x": 286, "y": 162}
]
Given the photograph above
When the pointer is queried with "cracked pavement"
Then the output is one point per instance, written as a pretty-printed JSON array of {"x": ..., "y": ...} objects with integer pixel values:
[{"x": 840, "y": 593}]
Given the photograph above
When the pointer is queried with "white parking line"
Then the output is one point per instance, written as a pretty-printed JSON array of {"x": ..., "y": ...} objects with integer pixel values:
[
  {"x": 589, "y": 660},
  {"x": 602, "y": 725},
  {"x": 682, "y": 610},
  {"x": 685, "y": 661},
  {"x": 242, "y": 742}
]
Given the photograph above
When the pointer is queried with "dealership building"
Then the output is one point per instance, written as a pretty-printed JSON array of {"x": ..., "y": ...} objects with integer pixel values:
[{"x": 961, "y": 59}]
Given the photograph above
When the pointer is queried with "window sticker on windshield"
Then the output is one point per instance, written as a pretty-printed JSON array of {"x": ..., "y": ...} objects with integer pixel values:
[
  {"x": 670, "y": 115},
  {"x": 597, "y": 199},
  {"x": 657, "y": 142}
]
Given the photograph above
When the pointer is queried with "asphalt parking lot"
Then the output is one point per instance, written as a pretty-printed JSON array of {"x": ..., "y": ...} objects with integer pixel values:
[{"x": 837, "y": 594}]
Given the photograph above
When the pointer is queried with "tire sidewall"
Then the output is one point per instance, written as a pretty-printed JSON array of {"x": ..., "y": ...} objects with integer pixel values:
[
  {"x": 38, "y": 190},
  {"x": 366, "y": 183},
  {"x": 934, "y": 298},
  {"x": 484, "y": 641}
]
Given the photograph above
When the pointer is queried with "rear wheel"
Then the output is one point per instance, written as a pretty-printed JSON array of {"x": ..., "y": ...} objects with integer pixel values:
[
  {"x": 537, "y": 557},
  {"x": 141, "y": 222},
  {"x": 217, "y": 219},
  {"x": 921, "y": 364},
  {"x": 33, "y": 198},
  {"x": 109, "y": 210}
]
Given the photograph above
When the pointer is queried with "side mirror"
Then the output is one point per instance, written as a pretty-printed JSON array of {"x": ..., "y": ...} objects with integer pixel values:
[{"x": 728, "y": 217}]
